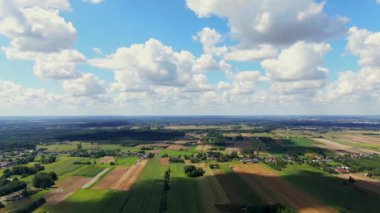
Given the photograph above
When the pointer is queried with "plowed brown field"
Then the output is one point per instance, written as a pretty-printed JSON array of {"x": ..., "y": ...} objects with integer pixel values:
[
  {"x": 273, "y": 189},
  {"x": 122, "y": 178}
]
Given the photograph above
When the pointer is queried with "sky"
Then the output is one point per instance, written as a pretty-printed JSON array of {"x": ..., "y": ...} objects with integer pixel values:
[{"x": 189, "y": 57}]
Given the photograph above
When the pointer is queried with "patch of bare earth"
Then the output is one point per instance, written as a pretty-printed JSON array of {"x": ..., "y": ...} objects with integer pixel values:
[
  {"x": 164, "y": 161},
  {"x": 177, "y": 147},
  {"x": 181, "y": 142},
  {"x": 122, "y": 178},
  {"x": 106, "y": 159},
  {"x": 334, "y": 146},
  {"x": 65, "y": 188},
  {"x": 362, "y": 139},
  {"x": 273, "y": 189},
  {"x": 203, "y": 148},
  {"x": 340, "y": 148}
]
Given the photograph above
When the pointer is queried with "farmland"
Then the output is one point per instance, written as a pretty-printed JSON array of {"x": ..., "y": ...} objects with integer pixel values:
[{"x": 235, "y": 169}]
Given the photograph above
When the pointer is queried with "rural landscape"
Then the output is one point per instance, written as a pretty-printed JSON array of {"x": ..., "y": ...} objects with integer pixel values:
[
  {"x": 190, "y": 164},
  {"x": 189, "y": 106}
]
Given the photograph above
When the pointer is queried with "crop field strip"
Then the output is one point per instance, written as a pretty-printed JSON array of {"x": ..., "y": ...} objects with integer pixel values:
[
  {"x": 330, "y": 189},
  {"x": 88, "y": 200},
  {"x": 95, "y": 179},
  {"x": 210, "y": 191},
  {"x": 146, "y": 192},
  {"x": 273, "y": 189},
  {"x": 183, "y": 193}
]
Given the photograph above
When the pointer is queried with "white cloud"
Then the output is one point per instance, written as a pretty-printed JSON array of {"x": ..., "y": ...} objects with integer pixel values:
[
  {"x": 205, "y": 63},
  {"x": 365, "y": 83},
  {"x": 12, "y": 94},
  {"x": 245, "y": 82},
  {"x": 36, "y": 30},
  {"x": 97, "y": 50},
  {"x": 263, "y": 52},
  {"x": 93, "y": 1},
  {"x": 365, "y": 45},
  {"x": 149, "y": 64},
  {"x": 353, "y": 87},
  {"x": 254, "y": 22},
  {"x": 378, "y": 1},
  {"x": 302, "y": 61},
  {"x": 86, "y": 85},
  {"x": 209, "y": 38},
  {"x": 38, "y": 33},
  {"x": 302, "y": 87},
  {"x": 58, "y": 65}
]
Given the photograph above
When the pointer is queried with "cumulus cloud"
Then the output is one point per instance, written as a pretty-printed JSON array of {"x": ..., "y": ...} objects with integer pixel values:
[
  {"x": 254, "y": 22},
  {"x": 245, "y": 82},
  {"x": 263, "y": 52},
  {"x": 86, "y": 85},
  {"x": 153, "y": 64},
  {"x": 301, "y": 61},
  {"x": 35, "y": 30},
  {"x": 364, "y": 44},
  {"x": 12, "y": 94},
  {"x": 365, "y": 83},
  {"x": 59, "y": 65},
  {"x": 38, "y": 33},
  {"x": 210, "y": 38}
]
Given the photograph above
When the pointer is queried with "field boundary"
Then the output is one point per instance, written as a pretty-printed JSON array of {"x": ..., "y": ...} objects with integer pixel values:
[{"x": 95, "y": 179}]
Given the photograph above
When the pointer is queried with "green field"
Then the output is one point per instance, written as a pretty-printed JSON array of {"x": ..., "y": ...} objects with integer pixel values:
[
  {"x": 146, "y": 193},
  {"x": 182, "y": 195},
  {"x": 330, "y": 189},
  {"x": 61, "y": 147},
  {"x": 91, "y": 201},
  {"x": 87, "y": 171},
  {"x": 61, "y": 167},
  {"x": 189, "y": 151},
  {"x": 126, "y": 161}
]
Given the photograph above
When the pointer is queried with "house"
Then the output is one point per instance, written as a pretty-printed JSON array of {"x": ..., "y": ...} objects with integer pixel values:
[{"x": 343, "y": 169}]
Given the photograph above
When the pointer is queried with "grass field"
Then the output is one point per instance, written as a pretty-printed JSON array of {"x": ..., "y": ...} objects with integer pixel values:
[
  {"x": 330, "y": 189},
  {"x": 60, "y": 147},
  {"x": 190, "y": 151},
  {"x": 182, "y": 195},
  {"x": 61, "y": 167},
  {"x": 91, "y": 201},
  {"x": 126, "y": 161},
  {"x": 146, "y": 193},
  {"x": 87, "y": 171}
]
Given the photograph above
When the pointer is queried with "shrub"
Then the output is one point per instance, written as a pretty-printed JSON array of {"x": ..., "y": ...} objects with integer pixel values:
[
  {"x": 192, "y": 171},
  {"x": 12, "y": 186},
  {"x": 31, "y": 206}
]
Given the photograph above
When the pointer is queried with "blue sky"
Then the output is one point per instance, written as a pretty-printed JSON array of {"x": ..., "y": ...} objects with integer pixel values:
[{"x": 222, "y": 84}]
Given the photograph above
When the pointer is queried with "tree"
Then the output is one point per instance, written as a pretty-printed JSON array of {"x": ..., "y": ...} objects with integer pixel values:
[
  {"x": 43, "y": 180},
  {"x": 192, "y": 171},
  {"x": 7, "y": 173},
  {"x": 53, "y": 175},
  {"x": 79, "y": 146}
]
